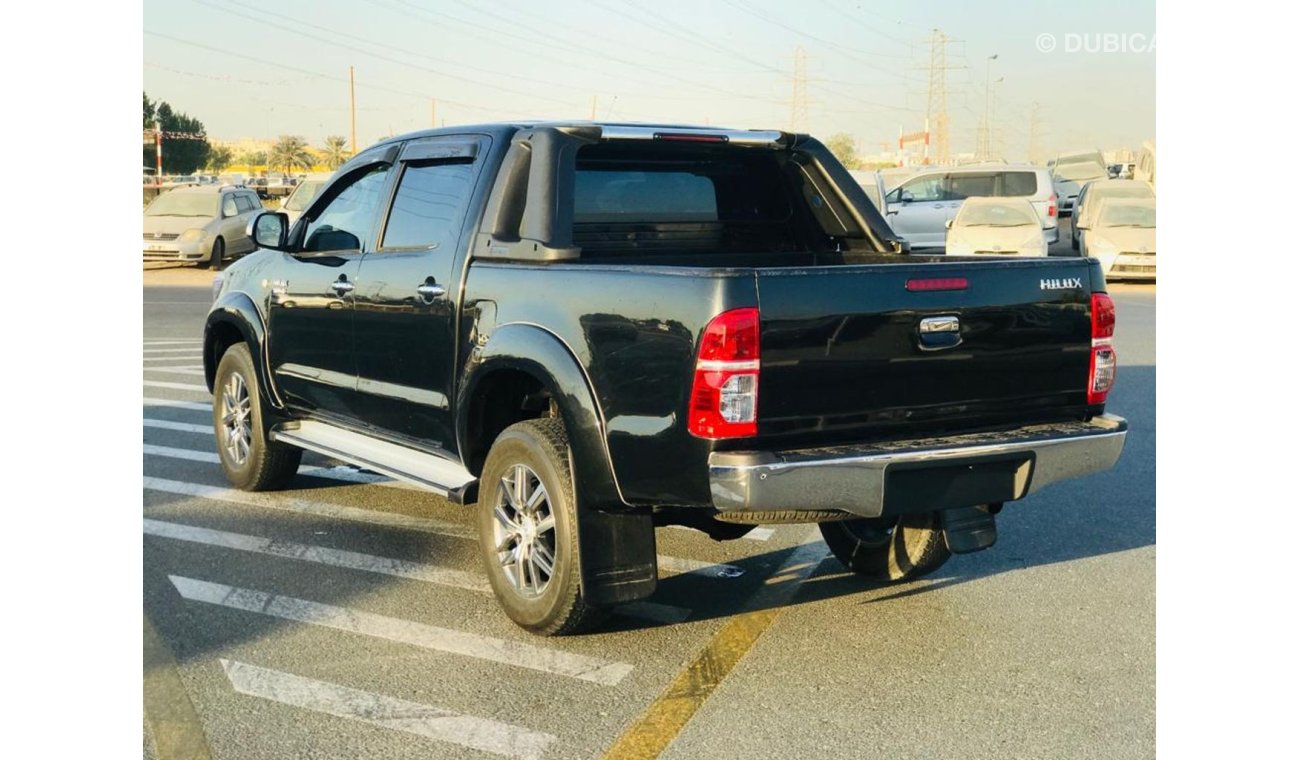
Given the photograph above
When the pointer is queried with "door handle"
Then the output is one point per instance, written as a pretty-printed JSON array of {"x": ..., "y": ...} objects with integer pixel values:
[
  {"x": 341, "y": 286},
  {"x": 429, "y": 290}
]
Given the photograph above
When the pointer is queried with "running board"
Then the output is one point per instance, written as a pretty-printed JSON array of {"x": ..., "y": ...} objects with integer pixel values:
[{"x": 442, "y": 476}]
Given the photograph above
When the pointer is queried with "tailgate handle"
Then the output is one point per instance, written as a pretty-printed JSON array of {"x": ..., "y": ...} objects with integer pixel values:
[{"x": 938, "y": 333}]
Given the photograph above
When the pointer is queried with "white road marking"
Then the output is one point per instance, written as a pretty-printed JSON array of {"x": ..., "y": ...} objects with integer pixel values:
[
  {"x": 757, "y": 534},
  {"x": 680, "y": 566},
  {"x": 183, "y": 427},
  {"x": 344, "y": 473},
  {"x": 387, "y": 712},
  {"x": 314, "y": 508},
  {"x": 320, "y": 555},
  {"x": 173, "y": 403},
  {"x": 178, "y": 371},
  {"x": 421, "y": 635},
  {"x": 178, "y": 386},
  {"x": 193, "y": 351},
  {"x": 185, "y": 342},
  {"x": 661, "y": 613},
  {"x": 185, "y": 358}
]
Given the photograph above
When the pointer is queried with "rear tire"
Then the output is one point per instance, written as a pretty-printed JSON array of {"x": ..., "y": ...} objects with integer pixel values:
[
  {"x": 250, "y": 460},
  {"x": 528, "y": 530},
  {"x": 888, "y": 549}
]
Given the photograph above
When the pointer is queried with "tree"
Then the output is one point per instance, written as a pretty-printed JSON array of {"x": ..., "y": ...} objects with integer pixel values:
[
  {"x": 290, "y": 153},
  {"x": 335, "y": 151},
  {"x": 841, "y": 145},
  {"x": 180, "y": 155},
  {"x": 219, "y": 158},
  {"x": 251, "y": 158}
]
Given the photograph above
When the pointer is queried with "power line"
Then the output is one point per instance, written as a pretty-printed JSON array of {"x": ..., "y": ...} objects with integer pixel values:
[{"x": 380, "y": 56}]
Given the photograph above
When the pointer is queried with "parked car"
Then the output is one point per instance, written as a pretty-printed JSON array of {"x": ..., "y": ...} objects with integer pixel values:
[
  {"x": 257, "y": 185},
  {"x": 1123, "y": 239},
  {"x": 280, "y": 187},
  {"x": 302, "y": 196},
  {"x": 920, "y": 208},
  {"x": 1072, "y": 171},
  {"x": 570, "y": 324},
  {"x": 1145, "y": 169},
  {"x": 996, "y": 226},
  {"x": 202, "y": 224},
  {"x": 1092, "y": 194},
  {"x": 232, "y": 179}
]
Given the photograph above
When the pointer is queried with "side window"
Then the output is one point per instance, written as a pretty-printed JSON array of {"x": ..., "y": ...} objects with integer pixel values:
[
  {"x": 243, "y": 204},
  {"x": 429, "y": 206},
  {"x": 963, "y": 186},
  {"x": 1018, "y": 184},
  {"x": 228, "y": 207},
  {"x": 926, "y": 188},
  {"x": 345, "y": 221}
]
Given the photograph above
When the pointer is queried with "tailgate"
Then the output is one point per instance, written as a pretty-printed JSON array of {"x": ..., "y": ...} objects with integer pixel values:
[{"x": 849, "y": 350}]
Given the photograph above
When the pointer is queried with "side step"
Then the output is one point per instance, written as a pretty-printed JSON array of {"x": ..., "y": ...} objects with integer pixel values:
[{"x": 429, "y": 471}]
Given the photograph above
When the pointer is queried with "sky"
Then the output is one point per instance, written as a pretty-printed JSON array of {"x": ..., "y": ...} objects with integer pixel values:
[{"x": 250, "y": 69}]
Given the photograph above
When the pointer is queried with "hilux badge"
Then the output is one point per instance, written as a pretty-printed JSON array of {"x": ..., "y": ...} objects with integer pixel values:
[{"x": 1068, "y": 283}]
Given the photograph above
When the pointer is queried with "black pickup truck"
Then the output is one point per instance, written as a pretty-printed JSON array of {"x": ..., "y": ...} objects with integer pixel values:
[{"x": 589, "y": 330}]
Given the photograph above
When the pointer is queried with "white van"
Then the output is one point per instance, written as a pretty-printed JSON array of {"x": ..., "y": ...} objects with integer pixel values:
[{"x": 920, "y": 208}]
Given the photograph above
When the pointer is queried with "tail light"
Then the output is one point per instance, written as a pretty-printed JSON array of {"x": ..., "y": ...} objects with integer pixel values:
[
  {"x": 724, "y": 395},
  {"x": 1101, "y": 367},
  {"x": 1051, "y": 205}
]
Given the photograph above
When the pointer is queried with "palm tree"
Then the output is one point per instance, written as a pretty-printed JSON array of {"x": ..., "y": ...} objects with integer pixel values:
[
  {"x": 290, "y": 153},
  {"x": 335, "y": 151}
]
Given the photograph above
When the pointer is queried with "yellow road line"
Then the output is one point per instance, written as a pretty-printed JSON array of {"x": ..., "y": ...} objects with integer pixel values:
[
  {"x": 177, "y": 732},
  {"x": 651, "y": 734}
]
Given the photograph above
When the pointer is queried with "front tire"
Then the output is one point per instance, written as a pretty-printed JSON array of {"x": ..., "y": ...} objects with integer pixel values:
[
  {"x": 528, "y": 530},
  {"x": 217, "y": 256},
  {"x": 250, "y": 460},
  {"x": 888, "y": 549}
]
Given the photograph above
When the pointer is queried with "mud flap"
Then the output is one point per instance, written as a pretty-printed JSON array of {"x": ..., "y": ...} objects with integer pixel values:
[
  {"x": 618, "y": 556},
  {"x": 968, "y": 529}
]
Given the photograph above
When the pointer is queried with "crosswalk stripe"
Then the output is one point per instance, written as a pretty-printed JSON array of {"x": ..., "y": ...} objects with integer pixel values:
[
  {"x": 183, "y": 427},
  {"x": 661, "y": 613},
  {"x": 681, "y": 566},
  {"x": 387, "y": 712},
  {"x": 177, "y": 371},
  {"x": 194, "y": 406},
  {"x": 320, "y": 555},
  {"x": 668, "y": 565},
  {"x": 580, "y": 667},
  {"x": 178, "y": 386},
  {"x": 149, "y": 359},
  {"x": 342, "y": 472},
  {"x": 315, "y": 508},
  {"x": 757, "y": 534}
]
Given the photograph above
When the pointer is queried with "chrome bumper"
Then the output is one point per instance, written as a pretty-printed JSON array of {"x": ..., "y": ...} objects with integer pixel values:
[{"x": 915, "y": 475}]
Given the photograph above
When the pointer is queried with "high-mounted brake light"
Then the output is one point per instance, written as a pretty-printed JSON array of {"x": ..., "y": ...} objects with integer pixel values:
[
  {"x": 724, "y": 394},
  {"x": 1102, "y": 363},
  {"x": 938, "y": 283},
  {"x": 679, "y": 137}
]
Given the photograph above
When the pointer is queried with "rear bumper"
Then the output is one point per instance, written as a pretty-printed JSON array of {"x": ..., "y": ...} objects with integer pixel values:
[{"x": 918, "y": 475}]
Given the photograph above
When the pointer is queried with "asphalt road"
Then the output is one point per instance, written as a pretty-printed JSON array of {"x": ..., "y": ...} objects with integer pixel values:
[{"x": 349, "y": 619}]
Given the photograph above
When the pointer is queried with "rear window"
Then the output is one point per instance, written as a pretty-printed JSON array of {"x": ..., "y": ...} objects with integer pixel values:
[{"x": 644, "y": 196}]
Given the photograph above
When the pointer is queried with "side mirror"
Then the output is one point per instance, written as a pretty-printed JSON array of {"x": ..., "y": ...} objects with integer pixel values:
[
  {"x": 948, "y": 224},
  {"x": 906, "y": 197},
  {"x": 1083, "y": 226},
  {"x": 269, "y": 230}
]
